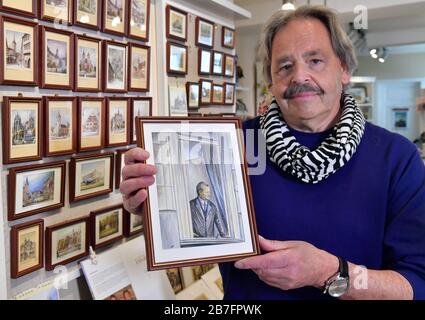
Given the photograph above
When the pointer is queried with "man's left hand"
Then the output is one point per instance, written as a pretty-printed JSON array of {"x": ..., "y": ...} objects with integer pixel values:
[{"x": 291, "y": 264}]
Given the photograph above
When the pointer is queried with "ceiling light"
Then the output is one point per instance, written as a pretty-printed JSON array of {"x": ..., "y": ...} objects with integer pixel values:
[
  {"x": 381, "y": 60},
  {"x": 288, "y": 6},
  {"x": 374, "y": 56},
  {"x": 373, "y": 51}
]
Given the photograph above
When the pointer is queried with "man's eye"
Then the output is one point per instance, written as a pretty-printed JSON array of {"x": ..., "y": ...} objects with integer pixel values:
[
  {"x": 285, "y": 67},
  {"x": 316, "y": 61}
]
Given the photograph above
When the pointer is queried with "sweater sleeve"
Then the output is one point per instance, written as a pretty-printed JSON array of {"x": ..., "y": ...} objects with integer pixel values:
[{"x": 404, "y": 242}]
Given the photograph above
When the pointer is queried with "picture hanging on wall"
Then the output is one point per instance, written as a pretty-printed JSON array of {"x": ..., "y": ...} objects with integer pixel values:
[
  {"x": 140, "y": 107},
  {"x": 138, "y": 67},
  {"x": 119, "y": 165},
  {"x": 400, "y": 118},
  {"x": 177, "y": 98},
  {"x": 205, "y": 92},
  {"x": 138, "y": 23},
  {"x": 218, "y": 63},
  {"x": 88, "y": 52},
  {"x": 57, "y": 11},
  {"x": 204, "y": 33},
  {"x": 204, "y": 61},
  {"x": 133, "y": 224},
  {"x": 19, "y": 39},
  {"x": 176, "y": 23},
  {"x": 217, "y": 97},
  {"x": 87, "y": 13},
  {"x": 177, "y": 58},
  {"x": 229, "y": 66},
  {"x": 91, "y": 123},
  {"x": 229, "y": 93},
  {"x": 106, "y": 226},
  {"x": 118, "y": 121},
  {"x": 192, "y": 95},
  {"x": 20, "y": 7},
  {"x": 114, "y": 17},
  {"x": 228, "y": 37},
  {"x": 115, "y": 67}
]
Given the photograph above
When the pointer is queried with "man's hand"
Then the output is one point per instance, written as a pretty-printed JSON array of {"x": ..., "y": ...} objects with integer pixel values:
[
  {"x": 291, "y": 264},
  {"x": 136, "y": 176}
]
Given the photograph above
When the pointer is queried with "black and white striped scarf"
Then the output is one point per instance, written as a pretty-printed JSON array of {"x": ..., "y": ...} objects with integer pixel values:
[{"x": 334, "y": 152}]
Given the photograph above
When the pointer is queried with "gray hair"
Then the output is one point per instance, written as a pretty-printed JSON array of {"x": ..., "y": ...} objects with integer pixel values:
[
  {"x": 340, "y": 41},
  {"x": 201, "y": 186}
]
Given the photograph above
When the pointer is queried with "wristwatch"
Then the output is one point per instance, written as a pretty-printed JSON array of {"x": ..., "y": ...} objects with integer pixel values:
[{"x": 339, "y": 283}]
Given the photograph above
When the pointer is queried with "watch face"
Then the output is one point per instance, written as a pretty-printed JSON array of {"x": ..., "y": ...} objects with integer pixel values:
[{"x": 338, "y": 287}]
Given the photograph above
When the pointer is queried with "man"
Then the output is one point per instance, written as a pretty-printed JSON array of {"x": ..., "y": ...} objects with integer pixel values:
[
  {"x": 337, "y": 193},
  {"x": 205, "y": 216}
]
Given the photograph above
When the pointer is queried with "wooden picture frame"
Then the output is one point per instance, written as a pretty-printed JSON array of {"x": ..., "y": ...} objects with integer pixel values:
[
  {"x": 22, "y": 129},
  {"x": 205, "y": 92},
  {"x": 140, "y": 107},
  {"x": 177, "y": 59},
  {"x": 192, "y": 89},
  {"x": 176, "y": 23},
  {"x": 227, "y": 37},
  {"x": 175, "y": 276},
  {"x": 66, "y": 242},
  {"x": 60, "y": 126},
  {"x": 88, "y": 59},
  {"x": 57, "y": 59},
  {"x": 26, "y": 248},
  {"x": 205, "y": 58},
  {"x": 115, "y": 67},
  {"x": 57, "y": 11},
  {"x": 139, "y": 61},
  {"x": 17, "y": 63},
  {"x": 35, "y": 188},
  {"x": 87, "y": 13},
  {"x": 118, "y": 121},
  {"x": 90, "y": 175},
  {"x": 229, "y": 93},
  {"x": 133, "y": 224},
  {"x": 177, "y": 100},
  {"x": 229, "y": 65},
  {"x": 204, "y": 33},
  {"x": 139, "y": 20},
  {"x": 91, "y": 123},
  {"x": 106, "y": 226},
  {"x": 218, "y": 63},
  {"x": 218, "y": 94},
  {"x": 22, "y": 8},
  {"x": 171, "y": 246},
  {"x": 114, "y": 16},
  {"x": 119, "y": 165}
]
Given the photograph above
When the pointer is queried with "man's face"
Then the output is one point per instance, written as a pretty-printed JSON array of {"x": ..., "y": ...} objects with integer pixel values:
[
  {"x": 205, "y": 193},
  {"x": 302, "y": 54}
]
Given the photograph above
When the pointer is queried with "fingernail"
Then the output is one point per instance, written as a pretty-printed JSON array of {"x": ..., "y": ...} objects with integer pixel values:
[{"x": 239, "y": 265}]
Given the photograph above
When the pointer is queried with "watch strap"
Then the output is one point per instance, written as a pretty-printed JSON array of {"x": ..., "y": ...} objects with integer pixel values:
[{"x": 343, "y": 268}]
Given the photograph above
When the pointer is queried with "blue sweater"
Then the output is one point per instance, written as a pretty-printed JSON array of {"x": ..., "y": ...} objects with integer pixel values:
[{"x": 371, "y": 212}]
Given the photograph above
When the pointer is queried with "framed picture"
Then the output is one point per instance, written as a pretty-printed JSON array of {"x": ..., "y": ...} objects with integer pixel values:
[
  {"x": 26, "y": 249},
  {"x": 192, "y": 95},
  {"x": 133, "y": 224},
  {"x": 206, "y": 92},
  {"x": 204, "y": 61},
  {"x": 359, "y": 93},
  {"x": 229, "y": 66},
  {"x": 91, "y": 123},
  {"x": 67, "y": 242},
  {"x": 115, "y": 67},
  {"x": 19, "y": 39},
  {"x": 57, "y": 11},
  {"x": 204, "y": 33},
  {"x": 114, "y": 15},
  {"x": 90, "y": 176},
  {"x": 24, "y": 8},
  {"x": 177, "y": 58},
  {"x": 35, "y": 188},
  {"x": 218, "y": 58},
  {"x": 227, "y": 37},
  {"x": 214, "y": 281},
  {"x": 88, "y": 52},
  {"x": 140, "y": 107},
  {"x": 218, "y": 96},
  {"x": 178, "y": 102},
  {"x": 57, "y": 63},
  {"x": 22, "y": 129},
  {"x": 106, "y": 226},
  {"x": 176, "y": 279},
  {"x": 176, "y": 23},
  {"x": 185, "y": 192},
  {"x": 138, "y": 23},
  {"x": 138, "y": 67},
  {"x": 400, "y": 118},
  {"x": 87, "y": 13},
  {"x": 229, "y": 93},
  {"x": 60, "y": 128},
  {"x": 118, "y": 121},
  {"x": 119, "y": 165}
]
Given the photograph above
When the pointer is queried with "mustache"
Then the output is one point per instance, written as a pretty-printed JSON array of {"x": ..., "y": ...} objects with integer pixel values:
[{"x": 294, "y": 90}]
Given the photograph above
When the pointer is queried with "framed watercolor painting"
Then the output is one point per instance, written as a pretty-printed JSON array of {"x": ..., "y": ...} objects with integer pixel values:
[
  {"x": 114, "y": 17},
  {"x": 177, "y": 100},
  {"x": 229, "y": 65},
  {"x": 229, "y": 93},
  {"x": 176, "y": 23},
  {"x": 88, "y": 57},
  {"x": 91, "y": 123},
  {"x": 119, "y": 165},
  {"x": 118, "y": 121},
  {"x": 57, "y": 11},
  {"x": 139, "y": 18},
  {"x": 22, "y": 7},
  {"x": 133, "y": 224},
  {"x": 227, "y": 37},
  {"x": 115, "y": 67},
  {"x": 217, "y": 96},
  {"x": 87, "y": 13},
  {"x": 138, "y": 67},
  {"x": 140, "y": 107},
  {"x": 192, "y": 95},
  {"x": 204, "y": 33},
  {"x": 204, "y": 61},
  {"x": 218, "y": 63},
  {"x": 205, "y": 92},
  {"x": 106, "y": 226},
  {"x": 177, "y": 58}
]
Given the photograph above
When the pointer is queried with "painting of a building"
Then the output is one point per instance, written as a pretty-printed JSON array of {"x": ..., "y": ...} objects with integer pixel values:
[
  {"x": 60, "y": 128},
  {"x": 139, "y": 67},
  {"x": 87, "y": 65},
  {"x": 71, "y": 242},
  {"x": 23, "y": 129},
  {"x": 114, "y": 9},
  {"x": 18, "y": 49},
  {"x": 56, "y": 56},
  {"x": 91, "y": 124},
  {"x": 117, "y": 122},
  {"x": 38, "y": 188}
]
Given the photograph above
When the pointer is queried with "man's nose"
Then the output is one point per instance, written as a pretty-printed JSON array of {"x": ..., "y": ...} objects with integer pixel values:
[{"x": 300, "y": 74}]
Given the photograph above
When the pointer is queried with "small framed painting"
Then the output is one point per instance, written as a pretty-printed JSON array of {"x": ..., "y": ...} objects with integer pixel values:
[
  {"x": 229, "y": 93},
  {"x": 20, "y": 7},
  {"x": 133, "y": 224},
  {"x": 35, "y": 188},
  {"x": 114, "y": 17},
  {"x": 118, "y": 121},
  {"x": 192, "y": 95},
  {"x": 87, "y": 13},
  {"x": 204, "y": 33},
  {"x": 19, "y": 52},
  {"x": 176, "y": 23},
  {"x": 217, "y": 97},
  {"x": 177, "y": 99},
  {"x": 227, "y": 37},
  {"x": 91, "y": 123},
  {"x": 57, "y": 11},
  {"x": 140, "y": 107},
  {"x": 138, "y": 67},
  {"x": 26, "y": 252},
  {"x": 66, "y": 242},
  {"x": 175, "y": 277},
  {"x": 229, "y": 66},
  {"x": 138, "y": 23},
  {"x": 22, "y": 129},
  {"x": 88, "y": 52},
  {"x": 218, "y": 64},
  {"x": 400, "y": 118},
  {"x": 60, "y": 129},
  {"x": 57, "y": 59},
  {"x": 106, "y": 226},
  {"x": 115, "y": 67},
  {"x": 205, "y": 92},
  {"x": 177, "y": 58},
  {"x": 119, "y": 165},
  {"x": 90, "y": 176},
  {"x": 204, "y": 61}
]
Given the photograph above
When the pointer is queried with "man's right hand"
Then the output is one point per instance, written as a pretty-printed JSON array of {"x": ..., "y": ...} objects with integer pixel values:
[{"x": 136, "y": 176}]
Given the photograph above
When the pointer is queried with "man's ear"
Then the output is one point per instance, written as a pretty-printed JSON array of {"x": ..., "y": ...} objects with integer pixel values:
[{"x": 346, "y": 75}]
